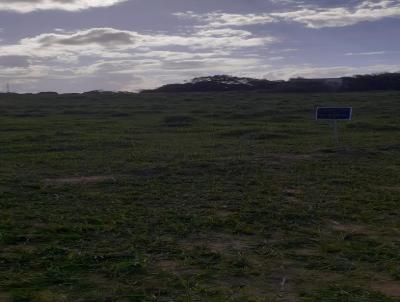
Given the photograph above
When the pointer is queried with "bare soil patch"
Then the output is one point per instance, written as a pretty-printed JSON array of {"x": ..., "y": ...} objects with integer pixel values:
[
  {"x": 244, "y": 286},
  {"x": 219, "y": 242},
  {"x": 390, "y": 147},
  {"x": 306, "y": 252},
  {"x": 49, "y": 296},
  {"x": 279, "y": 285},
  {"x": 78, "y": 180},
  {"x": 4, "y": 297},
  {"x": 353, "y": 228},
  {"x": 19, "y": 248},
  {"x": 176, "y": 267},
  {"x": 178, "y": 121},
  {"x": 388, "y": 288},
  {"x": 293, "y": 194},
  {"x": 224, "y": 212},
  {"x": 395, "y": 189},
  {"x": 286, "y": 157}
]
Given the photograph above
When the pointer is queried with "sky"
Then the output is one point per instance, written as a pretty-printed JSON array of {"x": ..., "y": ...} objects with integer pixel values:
[{"x": 128, "y": 45}]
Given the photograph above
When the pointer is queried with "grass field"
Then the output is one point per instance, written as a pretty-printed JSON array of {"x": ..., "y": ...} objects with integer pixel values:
[{"x": 199, "y": 197}]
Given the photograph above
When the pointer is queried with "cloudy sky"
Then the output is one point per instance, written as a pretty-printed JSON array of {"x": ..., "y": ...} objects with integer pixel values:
[{"x": 81, "y": 45}]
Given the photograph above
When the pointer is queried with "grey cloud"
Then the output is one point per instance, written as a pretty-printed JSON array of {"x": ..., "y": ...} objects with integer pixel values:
[
  {"x": 185, "y": 64},
  {"x": 14, "y": 61},
  {"x": 100, "y": 36},
  {"x": 101, "y": 40}
]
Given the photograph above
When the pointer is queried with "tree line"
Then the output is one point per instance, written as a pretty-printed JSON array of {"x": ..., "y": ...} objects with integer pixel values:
[{"x": 369, "y": 82}]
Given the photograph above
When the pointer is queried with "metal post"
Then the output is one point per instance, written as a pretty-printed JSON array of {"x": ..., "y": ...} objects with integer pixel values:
[{"x": 336, "y": 133}]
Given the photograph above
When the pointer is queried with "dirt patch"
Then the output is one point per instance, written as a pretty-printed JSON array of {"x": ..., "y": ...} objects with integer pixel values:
[
  {"x": 19, "y": 248},
  {"x": 293, "y": 194},
  {"x": 176, "y": 267},
  {"x": 224, "y": 212},
  {"x": 4, "y": 297},
  {"x": 106, "y": 287},
  {"x": 388, "y": 288},
  {"x": 353, "y": 228},
  {"x": 49, "y": 296},
  {"x": 287, "y": 291},
  {"x": 395, "y": 189},
  {"x": 101, "y": 281},
  {"x": 285, "y": 158},
  {"x": 327, "y": 276},
  {"x": 269, "y": 288},
  {"x": 152, "y": 172},
  {"x": 168, "y": 265},
  {"x": 345, "y": 152},
  {"x": 239, "y": 287},
  {"x": 178, "y": 121},
  {"x": 236, "y": 132},
  {"x": 306, "y": 252},
  {"x": 78, "y": 180},
  {"x": 390, "y": 147},
  {"x": 285, "y": 281},
  {"x": 292, "y": 157},
  {"x": 220, "y": 242},
  {"x": 267, "y": 136}
]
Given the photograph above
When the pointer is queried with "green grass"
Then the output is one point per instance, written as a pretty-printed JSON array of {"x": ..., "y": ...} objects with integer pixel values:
[{"x": 199, "y": 197}]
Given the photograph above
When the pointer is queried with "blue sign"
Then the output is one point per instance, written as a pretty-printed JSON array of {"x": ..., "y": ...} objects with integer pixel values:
[{"x": 334, "y": 113}]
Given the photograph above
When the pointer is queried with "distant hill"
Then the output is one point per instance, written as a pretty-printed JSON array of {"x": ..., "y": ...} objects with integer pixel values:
[{"x": 383, "y": 81}]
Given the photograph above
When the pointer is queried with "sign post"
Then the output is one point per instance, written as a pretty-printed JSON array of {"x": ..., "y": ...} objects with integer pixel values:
[{"x": 334, "y": 114}]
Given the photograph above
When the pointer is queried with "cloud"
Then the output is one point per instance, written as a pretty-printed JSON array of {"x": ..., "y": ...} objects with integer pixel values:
[
  {"x": 220, "y": 19},
  {"x": 371, "y": 53},
  {"x": 100, "y": 53},
  {"x": 109, "y": 40},
  {"x": 342, "y": 16},
  {"x": 310, "y": 16},
  {"x": 27, "y": 6},
  {"x": 115, "y": 59},
  {"x": 14, "y": 61},
  {"x": 277, "y": 58}
]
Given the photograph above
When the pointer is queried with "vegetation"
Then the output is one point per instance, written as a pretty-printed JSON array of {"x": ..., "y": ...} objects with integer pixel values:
[
  {"x": 373, "y": 82},
  {"x": 198, "y": 197}
]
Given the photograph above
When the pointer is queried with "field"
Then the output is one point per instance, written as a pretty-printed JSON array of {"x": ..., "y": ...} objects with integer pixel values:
[{"x": 199, "y": 197}]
